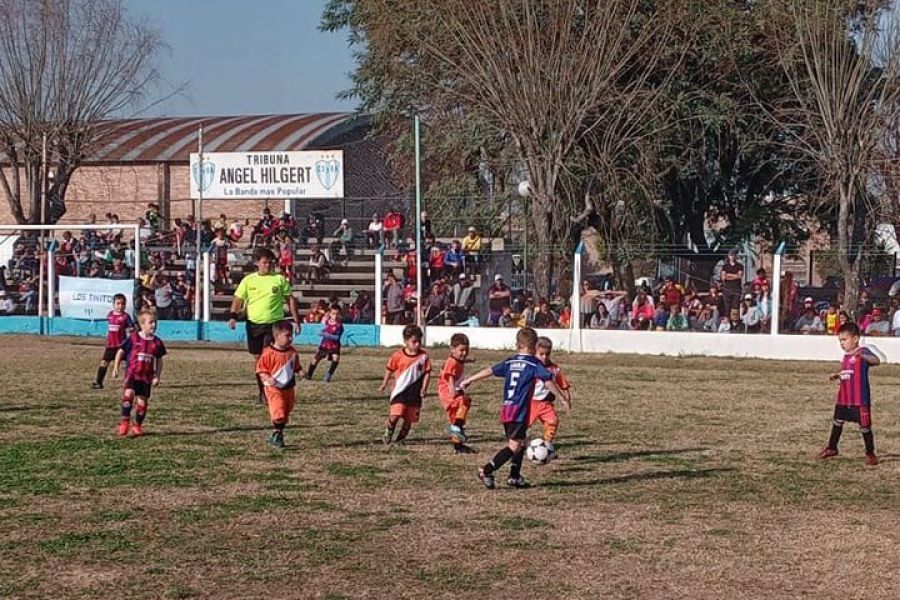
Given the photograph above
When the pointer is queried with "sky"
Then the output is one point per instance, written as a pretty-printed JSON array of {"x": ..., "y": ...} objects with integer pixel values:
[{"x": 239, "y": 57}]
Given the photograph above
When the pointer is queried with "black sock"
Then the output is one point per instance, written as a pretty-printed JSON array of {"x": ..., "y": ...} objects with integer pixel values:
[
  {"x": 332, "y": 368},
  {"x": 139, "y": 417},
  {"x": 404, "y": 431},
  {"x": 869, "y": 441},
  {"x": 515, "y": 467},
  {"x": 262, "y": 388},
  {"x": 458, "y": 446},
  {"x": 498, "y": 461},
  {"x": 459, "y": 423},
  {"x": 836, "y": 431},
  {"x": 101, "y": 374},
  {"x": 311, "y": 370}
]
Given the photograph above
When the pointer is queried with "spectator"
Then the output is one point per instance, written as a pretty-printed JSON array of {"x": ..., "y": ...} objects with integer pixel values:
[
  {"x": 732, "y": 276},
  {"x": 162, "y": 297},
  {"x": 220, "y": 223},
  {"x": 393, "y": 225},
  {"x": 314, "y": 228},
  {"x": 761, "y": 279},
  {"x": 661, "y": 317},
  {"x": 526, "y": 318},
  {"x": 344, "y": 241},
  {"x": 285, "y": 253},
  {"x": 375, "y": 232},
  {"x": 436, "y": 262},
  {"x": 118, "y": 270},
  {"x": 317, "y": 312},
  {"x": 472, "y": 246},
  {"x": 410, "y": 257},
  {"x": 708, "y": 320},
  {"x": 600, "y": 318},
  {"x": 878, "y": 326},
  {"x": 831, "y": 319},
  {"x": 671, "y": 293},
  {"x": 677, "y": 321},
  {"x": 153, "y": 218},
  {"x": 463, "y": 298},
  {"x": 219, "y": 249},
  {"x": 790, "y": 291},
  {"x": 499, "y": 297},
  {"x": 589, "y": 300},
  {"x": 544, "y": 317},
  {"x": 394, "y": 302},
  {"x": 565, "y": 317},
  {"x": 642, "y": 312},
  {"x": 426, "y": 225},
  {"x": 7, "y": 305},
  {"x": 724, "y": 325},
  {"x": 236, "y": 231},
  {"x": 436, "y": 304},
  {"x": 895, "y": 323},
  {"x": 506, "y": 318},
  {"x": 454, "y": 260},
  {"x": 180, "y": 294},
  {"x": 318, "y": 265},
  {"x": 264, "y": 229},
  {"x": 616, "y": 304},
  {"x": 809, "y": 321},
  {"x": 2, "y": 278},
  {"x": 752, "y": 314}
]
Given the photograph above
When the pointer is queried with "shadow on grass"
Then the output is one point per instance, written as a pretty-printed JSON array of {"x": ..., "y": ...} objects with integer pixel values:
[
  {"x": 36, "y": 407},
  {"x": 621, "y": 456},
  {"x": 648, "y": 476},
  {"x": 209, "y": 431},
  {"x": 376, "y": 441},
  {"x": 209, "y": 384}
]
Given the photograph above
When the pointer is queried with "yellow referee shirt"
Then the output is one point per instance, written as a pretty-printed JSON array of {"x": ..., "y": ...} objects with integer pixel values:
[{"x": 264, "y": 297}]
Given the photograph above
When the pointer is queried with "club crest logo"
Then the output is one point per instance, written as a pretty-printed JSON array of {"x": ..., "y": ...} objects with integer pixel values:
[
  {"x": 328, "y": 172},
  {"x": 203, "y": 174}
]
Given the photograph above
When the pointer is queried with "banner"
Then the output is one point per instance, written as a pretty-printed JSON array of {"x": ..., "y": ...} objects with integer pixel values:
[
  {"x": 237, "y": 175},
  {"x": 92, "y": 298}
]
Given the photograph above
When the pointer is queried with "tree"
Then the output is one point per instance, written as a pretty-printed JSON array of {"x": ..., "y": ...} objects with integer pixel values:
[
  {"x": 842, "y": 64},
  {"x": 65, "y": 66}
]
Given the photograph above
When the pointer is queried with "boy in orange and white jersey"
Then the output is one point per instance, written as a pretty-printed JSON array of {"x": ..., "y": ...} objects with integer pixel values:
[
  {"x": 543, "y": 407},
  {"x": 410, "y": 368}
]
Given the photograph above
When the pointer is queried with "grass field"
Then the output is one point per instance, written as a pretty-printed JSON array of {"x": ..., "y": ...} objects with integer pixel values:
[{"x": 678, "y": 478}]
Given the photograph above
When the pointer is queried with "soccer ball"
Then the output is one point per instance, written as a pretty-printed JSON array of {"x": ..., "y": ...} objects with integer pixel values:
[{"x": 540, "y": 452}]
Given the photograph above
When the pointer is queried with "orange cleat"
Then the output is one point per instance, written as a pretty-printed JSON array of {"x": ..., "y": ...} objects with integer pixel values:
[
  {"x": 827, "y": 453},
  {"x": 136, "y": 430},
  {"x": 123, "y": 428},
  {"x": 871, "y": 459}
]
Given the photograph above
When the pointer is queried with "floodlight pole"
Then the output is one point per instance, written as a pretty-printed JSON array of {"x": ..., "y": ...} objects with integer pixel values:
[
  {"x": 419, "y": 291},
  {"x": 41, "y": 269},
  {"x": 198, "y": 277}
]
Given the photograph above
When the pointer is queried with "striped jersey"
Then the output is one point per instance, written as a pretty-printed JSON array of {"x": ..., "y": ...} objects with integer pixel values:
[
  {"x": 331, "y": 335},
  {"x": 281, "y": 365},
  {"x": 520, "y": 373},
  {"x": 540, "y": 390},
  {"x": 142, "y": 353},
  {"x": 117, "y": 325},
  {"x": 854, "y": 386},
  {"x": 409, "y": 375}
]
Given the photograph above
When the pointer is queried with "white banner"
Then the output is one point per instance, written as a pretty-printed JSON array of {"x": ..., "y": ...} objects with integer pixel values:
[
  {"x": 235, "y": 175},
  {"x": 92, "y": 298}
]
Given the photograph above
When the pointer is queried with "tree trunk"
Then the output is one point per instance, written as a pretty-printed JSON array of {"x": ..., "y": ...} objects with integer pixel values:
[
  {"x": 849, "y": 252},
  {"x": 542, "y": 266}
]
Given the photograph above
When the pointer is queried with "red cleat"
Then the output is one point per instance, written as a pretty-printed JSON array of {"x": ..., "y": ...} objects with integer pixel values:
[
  {"x": 123, "y": 428},
  {"x": 871, "y": 459},
  {"x": 827, "y": 453},
  {"x": 136, "y": 430}
]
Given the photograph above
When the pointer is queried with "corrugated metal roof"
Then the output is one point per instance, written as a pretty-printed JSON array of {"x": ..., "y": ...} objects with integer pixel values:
[{"x": 173, "y": 139}]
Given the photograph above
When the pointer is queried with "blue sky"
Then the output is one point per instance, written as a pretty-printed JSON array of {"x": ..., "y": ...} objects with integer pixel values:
[{"x": 238, "y": 57}]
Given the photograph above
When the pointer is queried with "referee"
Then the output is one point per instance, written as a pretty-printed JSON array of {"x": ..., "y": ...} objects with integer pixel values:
[{"x": 263, "y": 294}]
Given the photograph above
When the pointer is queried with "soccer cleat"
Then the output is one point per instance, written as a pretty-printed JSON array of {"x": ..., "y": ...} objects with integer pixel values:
[
  {"x": 486, "y": 480},
  {"x": 327, "y": 378},
  {"x": 96, "y": 386},
  {"x": 871, "y": 459},
  {"x": 277, "y": 439},
  {"x": 136, "y": 430},
  {"x": 517, "y": 482},
  {"x": 387, "y": 436},
  {"x": 463, "y": 449},
  {"x": 123, "y": 428},
  {"x": 828, "y": 453},
  {"x": 457, "y": 432}
]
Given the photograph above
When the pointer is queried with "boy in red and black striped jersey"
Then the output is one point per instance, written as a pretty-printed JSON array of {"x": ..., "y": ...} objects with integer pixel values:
[
  {"x": 411, "y": 369},
  {"x": 854, "y": 399},
  {"x": 144, "y": 352},
  {"x": 118, "y": 327},
  {"x": 330, "y": 346}
]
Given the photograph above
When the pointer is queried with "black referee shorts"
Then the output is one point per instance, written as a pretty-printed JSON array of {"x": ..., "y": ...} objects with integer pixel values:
[{"x": 259, "y": 335}]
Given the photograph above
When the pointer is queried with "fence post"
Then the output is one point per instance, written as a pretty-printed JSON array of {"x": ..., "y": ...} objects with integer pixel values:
[
  {"x": 207, "y": 298},
  {"x": 51, "y": 282},
  {"x": 775, "y": 296},
  {"x": 378, "y": 283},
  {"x": 575, "y": 321}
]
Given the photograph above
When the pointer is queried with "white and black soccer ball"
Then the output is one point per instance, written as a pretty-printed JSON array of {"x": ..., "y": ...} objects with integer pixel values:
[{"x": 540, "y": 452}]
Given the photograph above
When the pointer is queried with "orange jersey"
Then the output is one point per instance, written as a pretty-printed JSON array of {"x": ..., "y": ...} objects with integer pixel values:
[
  {"x": 409, "y": 375},
  {"x": 281, "y": 365},
  {"x": 541, "y": 393},
  {"x": 450, "y": 380}
]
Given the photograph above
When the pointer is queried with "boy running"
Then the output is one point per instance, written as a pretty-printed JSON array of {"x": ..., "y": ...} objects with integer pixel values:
[
  {"x": 118, "y": 327},
  {"x": 144, "y": 352},
  {"x": 543, "y": 408},
  {"x": 330, "y": 346},
  {"x": 854, "y": 400},
  {"x": 520, "y": 373},
  {"x": 278, "y": 368},
  {"x": 456, "y": 402},
  {"x": 411, "y": 369}
]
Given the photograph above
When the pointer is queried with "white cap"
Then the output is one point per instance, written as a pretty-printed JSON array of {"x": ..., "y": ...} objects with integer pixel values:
[
  {"x": 498, "y": 277},
  {"x": 345, "y": 222},
  {"x": 472, "y": 229},
  {"x": 462, "y": 275}
]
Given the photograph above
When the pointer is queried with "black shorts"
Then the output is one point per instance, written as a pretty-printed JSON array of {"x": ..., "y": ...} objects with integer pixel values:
[
  {"x": 141, "y": 388},
  {"x": 329, "y": 354},
  {"x": 258, "y": 337},
  {"x": 516, "y": 431},
  {"x": 854, "y": 414},
  {"x": 109, "y": 354}
]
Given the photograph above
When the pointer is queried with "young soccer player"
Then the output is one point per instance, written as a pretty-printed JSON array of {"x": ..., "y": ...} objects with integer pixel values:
[
  {"x": 278, "y": 368},
  {"x": 118, "y": 327},
  {"x": 330, "y": 346},
  {"x": 520, "y": 373},
  {"x": 145, "y": 354},
  {"x": 854, "y": 401},
  {"x": 410, "y": 368},
  {"x": 456, "y": 402},
  {"x": 543, "y": 407}
]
